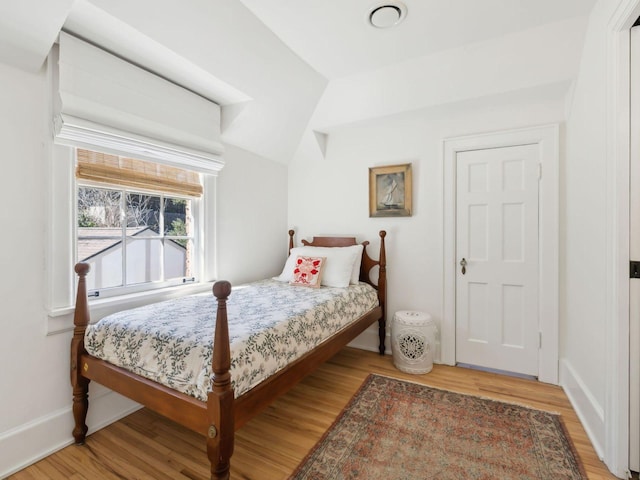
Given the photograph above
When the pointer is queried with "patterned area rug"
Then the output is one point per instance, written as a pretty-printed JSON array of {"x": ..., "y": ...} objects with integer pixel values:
[{"x": 393, "y": 429}]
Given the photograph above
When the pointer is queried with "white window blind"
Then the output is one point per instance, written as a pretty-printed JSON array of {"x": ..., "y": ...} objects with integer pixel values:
[{"x": 107, "y": 102}]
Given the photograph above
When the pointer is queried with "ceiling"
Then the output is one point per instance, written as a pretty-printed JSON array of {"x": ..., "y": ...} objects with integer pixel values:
[
  {"x": 334, "y": 37},
  {"x": 285, "y": 69}
]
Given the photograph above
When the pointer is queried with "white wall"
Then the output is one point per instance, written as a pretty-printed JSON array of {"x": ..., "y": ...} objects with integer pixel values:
[
  {"x": 35, "y": 401},
  {"x": 330, "y": 195},
  {"x": 587, "y": 248},
  {"x": 583, "y": 217},
  {"x": 31, "y": 376},
  {"x": 252, "y": 217}
]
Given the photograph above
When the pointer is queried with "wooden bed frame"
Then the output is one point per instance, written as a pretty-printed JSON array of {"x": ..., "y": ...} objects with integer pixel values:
[{"x": 221, "y": 414}]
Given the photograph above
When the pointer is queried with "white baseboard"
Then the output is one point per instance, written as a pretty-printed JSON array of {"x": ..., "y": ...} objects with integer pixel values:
[
  {"x": 32, "y": 441},
  {"x": 590, "y": 413}
]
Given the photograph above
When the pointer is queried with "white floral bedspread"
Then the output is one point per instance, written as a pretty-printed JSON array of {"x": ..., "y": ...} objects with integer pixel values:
[{"x": 271, "y": 323}]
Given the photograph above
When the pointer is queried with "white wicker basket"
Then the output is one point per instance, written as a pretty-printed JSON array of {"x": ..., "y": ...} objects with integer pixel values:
[{"x": 413, "y": 341}]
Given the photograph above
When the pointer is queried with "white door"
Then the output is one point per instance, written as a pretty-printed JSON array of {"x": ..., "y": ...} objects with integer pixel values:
[{"x": 497, "y": 250}]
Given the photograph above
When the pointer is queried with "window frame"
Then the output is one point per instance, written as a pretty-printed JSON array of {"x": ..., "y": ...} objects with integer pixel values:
[
  {"x": 124, "y": 288},
  {"x": 61, "y": 224}
]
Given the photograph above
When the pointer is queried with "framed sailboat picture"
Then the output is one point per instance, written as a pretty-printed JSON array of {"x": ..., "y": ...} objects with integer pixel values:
[{"x": 390, "y": 191}]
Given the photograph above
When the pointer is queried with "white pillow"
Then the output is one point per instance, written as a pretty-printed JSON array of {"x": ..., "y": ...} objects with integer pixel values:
[
  {"x": 340, "y": 265},
  {"x": 355, "y": 273}
]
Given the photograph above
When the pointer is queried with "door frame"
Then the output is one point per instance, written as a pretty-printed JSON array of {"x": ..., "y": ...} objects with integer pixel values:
[
  {"x": 547, "y": 139},
  {"x": 615, "y": 441},
  {"x": 634, "y": 252}
]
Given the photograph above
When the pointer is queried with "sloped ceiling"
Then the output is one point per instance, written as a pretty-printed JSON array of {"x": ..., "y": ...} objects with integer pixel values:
[
  {"x": 283, "y": 69},
  {"x": 335, "y": 37},
  {"x": 217, "y": 48},
  {"x": 28, "y": 28}
]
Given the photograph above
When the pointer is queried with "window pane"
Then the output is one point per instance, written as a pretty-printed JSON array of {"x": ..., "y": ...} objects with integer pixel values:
[
  {"x": 177, "y": 217},
  {"x": 144, "y": 256},
  {"x": 143, "y": 213},
  {"x": 132, "y": 238},
  {"x": 106, "y": 270},
  {"x": 98, "y": 208},
  {"x": 177, "y": 254},
  {"x": 100, "y": 236}
]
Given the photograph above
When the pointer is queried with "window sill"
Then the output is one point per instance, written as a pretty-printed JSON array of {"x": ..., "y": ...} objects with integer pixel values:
[{"x": 61, "y": 320}]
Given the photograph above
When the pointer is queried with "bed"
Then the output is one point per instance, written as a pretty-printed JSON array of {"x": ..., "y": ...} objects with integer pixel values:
[{"x": 217, "y": 412}]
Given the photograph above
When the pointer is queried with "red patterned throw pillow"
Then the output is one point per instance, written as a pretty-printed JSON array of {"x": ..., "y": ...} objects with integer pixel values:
[{"x": 307, "y": 271}]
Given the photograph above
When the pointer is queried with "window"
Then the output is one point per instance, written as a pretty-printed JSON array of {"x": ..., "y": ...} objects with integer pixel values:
[
  {"x": 159, "y": 134},
  {"x": 134, "y": 238}
]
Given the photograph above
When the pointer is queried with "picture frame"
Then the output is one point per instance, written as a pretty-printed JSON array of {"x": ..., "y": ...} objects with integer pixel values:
[{"x": 390, "y": 191}]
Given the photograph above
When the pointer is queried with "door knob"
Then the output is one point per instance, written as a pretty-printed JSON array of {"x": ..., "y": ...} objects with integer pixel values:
[{"x": 463, "y": 264}]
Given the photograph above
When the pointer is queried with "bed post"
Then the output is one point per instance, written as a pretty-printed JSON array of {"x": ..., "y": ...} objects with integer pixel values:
[
  {"x": 382, "y": 292},
  {"x": 79, "y": 383},
  {"x": 291, "y": 233},
  {"x": 220, "y": 437}
]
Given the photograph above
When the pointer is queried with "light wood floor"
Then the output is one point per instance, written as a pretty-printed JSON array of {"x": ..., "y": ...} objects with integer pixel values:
[{"x": 146, "y": 446}]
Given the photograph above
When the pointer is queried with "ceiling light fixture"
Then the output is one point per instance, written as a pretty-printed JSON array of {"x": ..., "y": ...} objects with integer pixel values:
[{"x": 387, "y": 15}]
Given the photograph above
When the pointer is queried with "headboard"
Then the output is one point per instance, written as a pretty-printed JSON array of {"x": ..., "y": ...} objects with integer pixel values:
[{"x": 367, "y": 262}]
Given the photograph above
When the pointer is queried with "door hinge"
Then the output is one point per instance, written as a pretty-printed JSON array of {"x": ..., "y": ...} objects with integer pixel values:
[
  {"x": 634, "y": 269},
  {"x": 539, "y": 171},
  {"x": 539, "y": 340}
]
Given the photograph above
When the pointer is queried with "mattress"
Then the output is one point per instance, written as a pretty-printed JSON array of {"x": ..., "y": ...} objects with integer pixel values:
[{"x": 271, "y": 324}]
